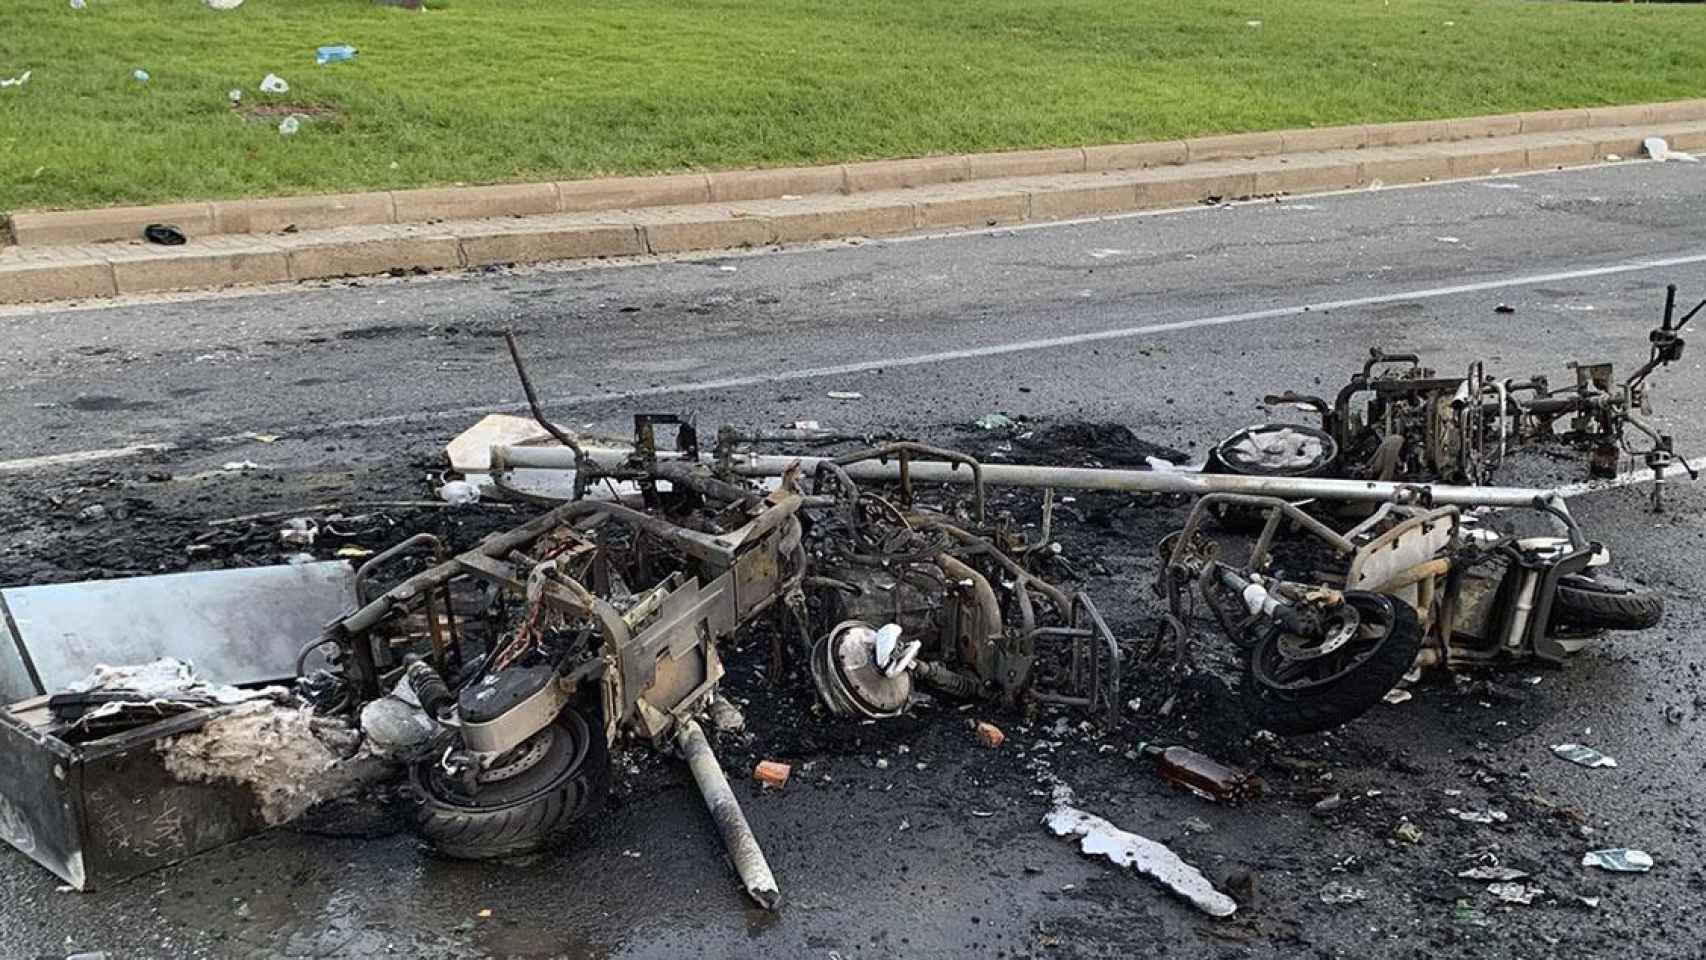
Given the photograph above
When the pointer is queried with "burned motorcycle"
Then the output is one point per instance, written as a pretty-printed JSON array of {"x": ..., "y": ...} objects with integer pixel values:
[
  {"x": 1397, "y": 420},
  {"x": 601, "y": 621},
  {"x": 1328, "y": 632}
]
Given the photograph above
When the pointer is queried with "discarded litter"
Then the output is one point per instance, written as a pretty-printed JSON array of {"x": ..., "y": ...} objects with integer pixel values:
[
  {"x": 1204, "y": 776},
  {"x": 234, "y": 465},
  {"x": 1397, "y": 695},
  {"x": 1493, "y": 872},
  {"x": 139, "y": 75},
  {"x": 993, "y": 421},
  {"x": 164, "y": 234},
  {"x": 1658, "y": 148},
  {"x": 1479, "y": 816},
  {"x": 772, "y": 773},
  {"x": 1335, "y": 893},
  {"x": 336, "y": 53},
  {"x": 989, "y": 735},
  {"x": 1448, "y": 240},
  {"x": 1465, "y": 912},
  {"x": 1619, "y": 860},
  {"x": 459, "y": 493},
  {"x": 1328, "y": 805},
  {"x": 273, "y": 83},
  {"x": 223, "y": 4},
  {"x": 1407, "y": 832},
  {"x": 845, "y": 395},
  {"x": 1583, "y": 756},
  {"x": 1155, "y": 860},
  {"x": 1504, "y": 308},
  {"x": 234, "y": 95},
  {"x": 79, "y": 4},
  {"x": 289, "y": 125},
  {"x": 1523, "y": 893},
  {"x": 298, "y": 532},
  {"x": 17, "y": 81}
]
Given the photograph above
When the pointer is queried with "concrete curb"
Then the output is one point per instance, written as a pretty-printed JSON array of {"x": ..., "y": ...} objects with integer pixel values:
[
  {"x": 678, "y": 214},
  {"x": 579, "y": 196}
]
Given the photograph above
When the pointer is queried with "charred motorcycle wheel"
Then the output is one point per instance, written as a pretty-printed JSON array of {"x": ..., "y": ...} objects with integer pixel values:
[
  {"x": 1269, "y": 450},
  {"x": 1295, "y": 685},
  {"x": 523, "y": 801},
  {"x": 1584, "y": 602},
  {"x": 1277, "y": 450}
]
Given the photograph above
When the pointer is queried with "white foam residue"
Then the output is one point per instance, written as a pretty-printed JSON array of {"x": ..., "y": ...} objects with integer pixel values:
[
  {"x": 290, "y": 758},
  {"x": 1101, "y": 838}
]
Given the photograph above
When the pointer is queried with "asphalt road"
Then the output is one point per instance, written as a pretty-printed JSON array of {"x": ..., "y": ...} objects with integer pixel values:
[{"x": 1174, "y": 324}]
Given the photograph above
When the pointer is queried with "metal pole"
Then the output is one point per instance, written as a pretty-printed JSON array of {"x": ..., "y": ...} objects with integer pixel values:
[
  {"x": 743, "y": 847},
  {"x": 1188, "y": 483}
]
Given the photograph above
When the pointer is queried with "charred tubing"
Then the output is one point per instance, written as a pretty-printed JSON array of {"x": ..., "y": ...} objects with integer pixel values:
[
  {"x": 533, "y": 401},
  {"x": 496, "y": 547},
  {"x": 737, "y": 834},
  {"x": 948, "y": 681},
  {"x": 961, "y": 572},
  {"x": 1088, "y": 478}
]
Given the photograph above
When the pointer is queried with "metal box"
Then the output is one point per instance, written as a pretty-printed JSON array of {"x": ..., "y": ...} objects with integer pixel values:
[{"x": 103, "y": 811}]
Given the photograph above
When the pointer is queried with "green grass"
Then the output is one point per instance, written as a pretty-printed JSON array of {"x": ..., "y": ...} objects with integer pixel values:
[{"x": 482, "y": 91}]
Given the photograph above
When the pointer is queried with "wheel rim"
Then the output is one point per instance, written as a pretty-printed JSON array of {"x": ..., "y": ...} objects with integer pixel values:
[
  {"x": 1277, "y": 450},
  {"x": 521, "y": 759},
  {"x": 1293, "y": 665},
  {"x": 538, "y": 765}
]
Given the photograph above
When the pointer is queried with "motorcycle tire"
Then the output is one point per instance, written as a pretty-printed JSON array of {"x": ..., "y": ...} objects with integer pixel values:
[
  {"x": 1604, "y": 603},
  {"x": 1357, "y": 676},
  {"x": 519, "y": 813}
]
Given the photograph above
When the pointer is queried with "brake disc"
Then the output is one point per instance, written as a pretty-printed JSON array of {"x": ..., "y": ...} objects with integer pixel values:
[
  {"x": 1342, "y": 628},
  {"x": 519, "y": 760}
]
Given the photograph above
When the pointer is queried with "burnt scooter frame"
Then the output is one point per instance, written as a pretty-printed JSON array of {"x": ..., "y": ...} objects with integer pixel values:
[
  {"x": 657, "y": 666},
  {"x": 1412, "y": 425}
]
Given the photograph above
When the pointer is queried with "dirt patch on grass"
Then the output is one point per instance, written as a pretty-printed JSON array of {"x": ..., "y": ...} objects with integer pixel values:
[{"x": 274, "y": 112}]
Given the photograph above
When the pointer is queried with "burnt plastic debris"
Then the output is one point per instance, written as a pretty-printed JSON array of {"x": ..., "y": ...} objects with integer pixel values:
[
  {"x": 1203, "y": 776},
  {"x": 164, "y": 234}
]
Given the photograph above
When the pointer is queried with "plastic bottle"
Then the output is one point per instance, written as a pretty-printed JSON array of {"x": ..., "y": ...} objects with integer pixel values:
[
  {"x": 1202, "y": 775},
  {"x": 334, "y": 54}
]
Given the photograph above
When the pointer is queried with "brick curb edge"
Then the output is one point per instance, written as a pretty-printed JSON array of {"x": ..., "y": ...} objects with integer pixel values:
[{"x": 266, "y": 216}]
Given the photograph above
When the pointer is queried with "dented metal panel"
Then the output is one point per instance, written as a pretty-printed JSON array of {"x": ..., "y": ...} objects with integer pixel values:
[
  {"x": 104, "y": 811},
  {"x": 237, "y": 626}
]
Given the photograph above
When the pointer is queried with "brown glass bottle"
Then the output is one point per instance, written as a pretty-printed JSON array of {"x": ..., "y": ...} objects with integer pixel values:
[{"x": 1203, "y": 776}]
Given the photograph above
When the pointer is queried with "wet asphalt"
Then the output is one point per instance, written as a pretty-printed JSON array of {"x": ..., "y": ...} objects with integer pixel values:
[{"x": 1173, "y": 324}]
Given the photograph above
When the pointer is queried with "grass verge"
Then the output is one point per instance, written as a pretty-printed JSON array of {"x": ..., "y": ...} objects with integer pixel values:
[{"x": 481, "y": 91}]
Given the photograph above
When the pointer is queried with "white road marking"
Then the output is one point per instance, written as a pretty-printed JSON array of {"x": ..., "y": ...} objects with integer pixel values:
[
  {"x": 1639, "y": 475},
  {"x": 80, "y": 456},
  {"x": 1027, "y": 346},
  {"x": 945, "y": 356}
]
